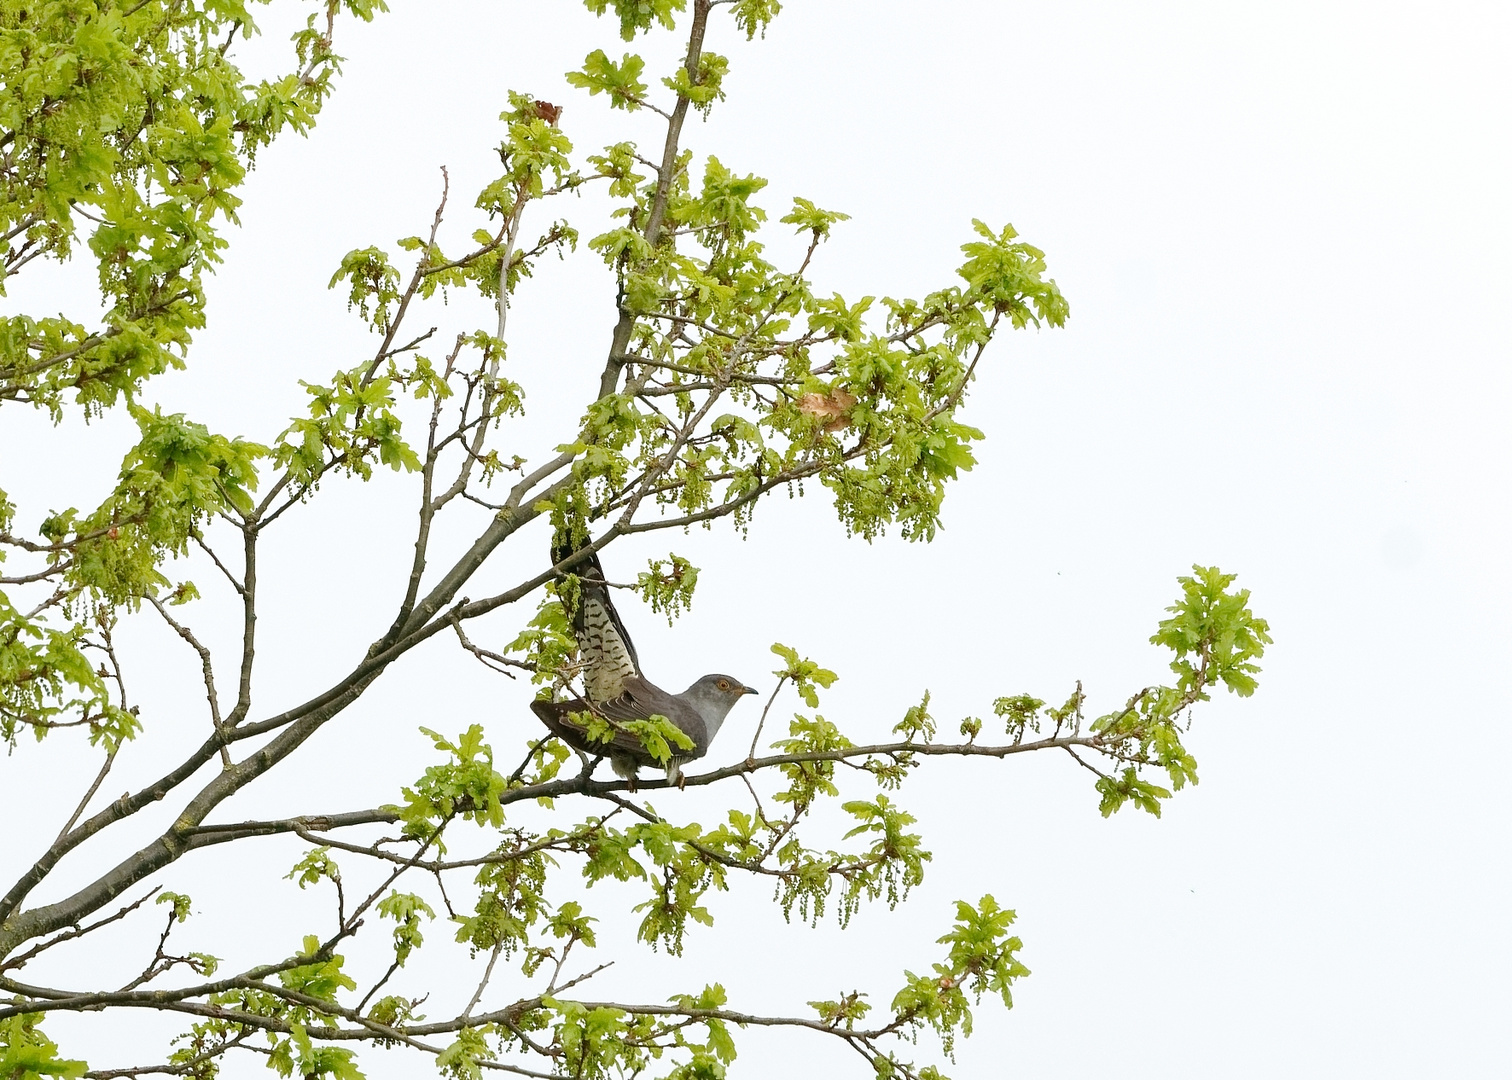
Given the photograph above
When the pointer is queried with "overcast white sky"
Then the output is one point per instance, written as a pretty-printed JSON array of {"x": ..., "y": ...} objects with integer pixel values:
[{"x": 1283, "y": 230}]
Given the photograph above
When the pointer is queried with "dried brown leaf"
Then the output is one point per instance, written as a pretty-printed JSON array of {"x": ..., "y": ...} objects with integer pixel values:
[{"x": 832, "y": 408}]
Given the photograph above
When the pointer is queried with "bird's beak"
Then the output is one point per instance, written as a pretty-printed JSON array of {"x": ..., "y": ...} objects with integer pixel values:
[{"x": 749, "y": 690}]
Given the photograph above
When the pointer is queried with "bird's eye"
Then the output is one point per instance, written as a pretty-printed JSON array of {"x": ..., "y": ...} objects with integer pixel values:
[{"x": 723, "y": 684}]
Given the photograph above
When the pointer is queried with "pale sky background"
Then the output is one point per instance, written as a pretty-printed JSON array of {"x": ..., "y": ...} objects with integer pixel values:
[{"x": 1283, "y": 230}]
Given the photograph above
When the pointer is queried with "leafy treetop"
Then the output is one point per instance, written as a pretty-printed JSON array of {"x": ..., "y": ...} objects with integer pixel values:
[{"x": 728, "y": 376}]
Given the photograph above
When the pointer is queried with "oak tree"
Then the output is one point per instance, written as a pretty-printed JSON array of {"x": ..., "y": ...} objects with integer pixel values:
[{"x": 127, "y": 129}]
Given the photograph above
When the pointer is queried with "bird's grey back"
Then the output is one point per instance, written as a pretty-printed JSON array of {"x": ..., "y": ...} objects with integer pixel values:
[{"x": 643, "y": 699}]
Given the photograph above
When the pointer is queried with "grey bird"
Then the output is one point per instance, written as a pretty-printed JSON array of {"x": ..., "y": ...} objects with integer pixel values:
[{"x": 615, "y": 689}]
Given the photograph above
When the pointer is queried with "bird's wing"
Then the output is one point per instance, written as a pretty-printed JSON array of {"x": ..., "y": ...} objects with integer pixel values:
[
  {"x": 604, "y": 645},
  {"x": 638, "y": 700},
  {"x": 641, "y": 700},
  {"x": 557, "y": 716}
]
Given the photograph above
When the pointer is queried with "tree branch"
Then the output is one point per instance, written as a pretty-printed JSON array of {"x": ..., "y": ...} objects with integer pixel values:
[{"x": 665, "y": 174}]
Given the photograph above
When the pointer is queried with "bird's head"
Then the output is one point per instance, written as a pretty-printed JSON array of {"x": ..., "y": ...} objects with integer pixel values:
[{"x": 716, "y": 695}]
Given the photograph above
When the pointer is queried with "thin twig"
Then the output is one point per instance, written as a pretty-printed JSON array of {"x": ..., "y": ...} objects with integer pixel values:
[
  {"x": 493, "y": 958},
  {"x": 94, "y": 787},
  {"x": 206, "y": 666},
  {"x": 762, "y": 722}
]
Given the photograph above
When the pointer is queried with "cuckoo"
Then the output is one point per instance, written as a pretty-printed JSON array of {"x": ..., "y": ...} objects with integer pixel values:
[{"x": 615, "y": 689}]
